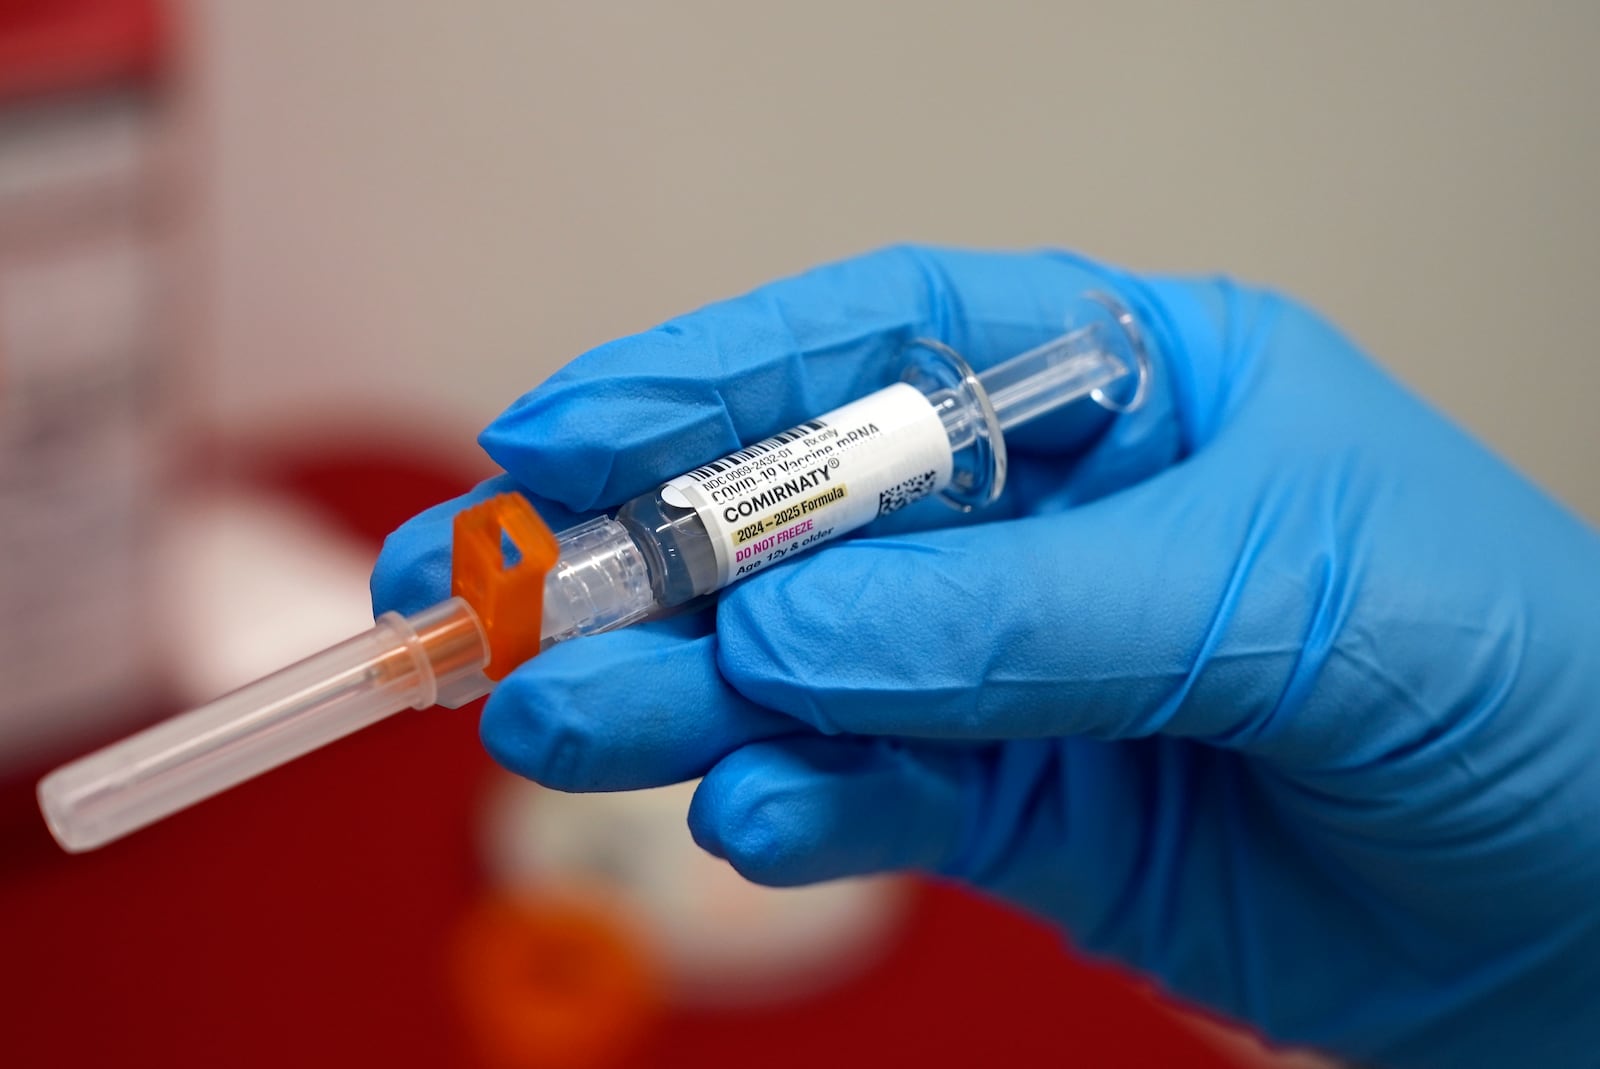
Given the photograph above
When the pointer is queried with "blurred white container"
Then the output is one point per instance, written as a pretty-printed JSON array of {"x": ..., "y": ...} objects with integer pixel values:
[
  {"x": 87, "y": 352},
  {"x": 719, "y": 940}
]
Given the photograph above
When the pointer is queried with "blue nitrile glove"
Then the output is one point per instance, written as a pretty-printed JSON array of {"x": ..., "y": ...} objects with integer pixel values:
[{"x": 1281, "y": 689}]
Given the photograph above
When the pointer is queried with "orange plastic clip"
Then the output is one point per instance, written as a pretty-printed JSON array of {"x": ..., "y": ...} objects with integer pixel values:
[{"x": 508, "y": 597}]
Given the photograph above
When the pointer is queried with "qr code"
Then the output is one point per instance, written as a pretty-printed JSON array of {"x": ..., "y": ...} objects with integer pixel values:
[{"x": 902, "y": 494}]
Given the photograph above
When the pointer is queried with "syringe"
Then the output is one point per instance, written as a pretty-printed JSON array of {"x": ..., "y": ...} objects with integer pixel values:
[{"x": 938, "y": 431}]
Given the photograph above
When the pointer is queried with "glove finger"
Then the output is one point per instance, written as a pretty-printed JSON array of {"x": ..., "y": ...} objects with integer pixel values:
[
  {"x": 631, "y": 414},
  {"x": 641, "y": 707},
  {"x": 1108, "y": 838},
  {"x": 413, "y": 568},
  {"x": 1096, "y": 621},
  {"x": 807, "y": 809}
]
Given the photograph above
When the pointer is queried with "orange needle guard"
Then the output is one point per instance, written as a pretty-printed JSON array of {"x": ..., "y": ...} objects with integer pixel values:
[{"x": 502, "y": 552}]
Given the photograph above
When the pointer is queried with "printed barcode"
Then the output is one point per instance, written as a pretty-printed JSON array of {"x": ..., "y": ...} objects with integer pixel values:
[{"x": 751, "y": 452}]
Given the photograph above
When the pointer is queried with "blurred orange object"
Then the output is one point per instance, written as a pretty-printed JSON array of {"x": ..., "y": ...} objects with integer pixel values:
[{"x": 553, "y": 982}]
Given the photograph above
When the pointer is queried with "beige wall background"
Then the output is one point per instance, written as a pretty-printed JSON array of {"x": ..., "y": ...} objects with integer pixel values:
[{"x": 419, "y": 210}]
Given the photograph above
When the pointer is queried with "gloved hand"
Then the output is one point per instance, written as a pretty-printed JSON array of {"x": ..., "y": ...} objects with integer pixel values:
[{"x": 1281, "y": 689}]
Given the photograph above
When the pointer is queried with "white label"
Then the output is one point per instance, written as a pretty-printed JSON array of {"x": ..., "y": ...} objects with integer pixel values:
[{"x": 817, "y": 481}]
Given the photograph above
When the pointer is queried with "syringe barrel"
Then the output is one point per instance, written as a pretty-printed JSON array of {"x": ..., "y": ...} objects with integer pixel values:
[
  {"x": 938, "y": 431},
  {"x": 400, "y": 663}
]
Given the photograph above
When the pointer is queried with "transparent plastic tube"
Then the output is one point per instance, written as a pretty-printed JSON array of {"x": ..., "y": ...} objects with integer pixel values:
[
  {"x": 939, "y": 431},
  {"x": 1102, "y": 356},
  {"x": 399, "y": 664}
]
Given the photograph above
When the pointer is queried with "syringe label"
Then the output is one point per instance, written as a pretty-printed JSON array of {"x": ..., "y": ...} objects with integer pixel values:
[{"x": 818, "y": 480}]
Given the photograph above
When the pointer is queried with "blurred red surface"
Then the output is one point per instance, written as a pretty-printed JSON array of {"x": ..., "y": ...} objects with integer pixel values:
[
  {"x": 305, "y": 918},
  {"x": 63, "y": 45}
]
